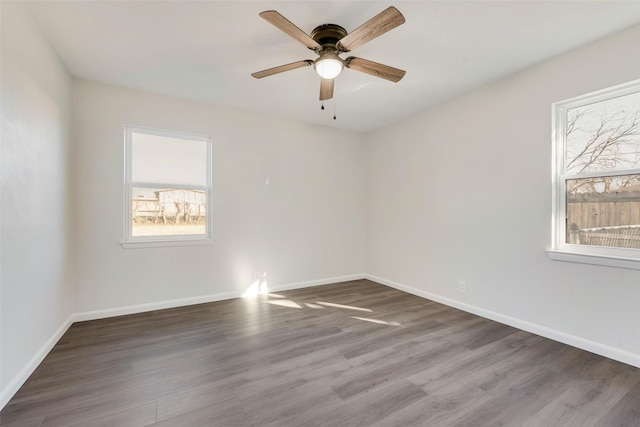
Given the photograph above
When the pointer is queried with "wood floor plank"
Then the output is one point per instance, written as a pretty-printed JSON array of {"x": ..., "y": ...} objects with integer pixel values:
[
  {"x": 394, "y": 369},
  {"x": 192, "y": 399},
  {"x": 626, "y": 412},
  {"x": 464, "y": 364},
  {"x": 580, "y": 405},
  {"x": 519, "y": 403},
  {"x": 365, "y": 410},
  {"x": 228, "y": 413},
  {"x": 24, "y": 421},
  {"x": 440, "y": 408},
  {"x": 283, "y": 400},
  {"x": 99, "y": 395},
  {"x": 139, "y": 416},
  {"x": 388, "y": 337},
  {"x": 346, "y": 354}
]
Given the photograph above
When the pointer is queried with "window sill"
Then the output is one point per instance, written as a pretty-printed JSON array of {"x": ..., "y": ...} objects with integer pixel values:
[
  {"x": 166, "y": 243},
  {"x": 604, "y": 260}
]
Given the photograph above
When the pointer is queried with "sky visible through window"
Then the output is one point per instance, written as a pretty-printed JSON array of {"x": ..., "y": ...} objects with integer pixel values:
[{"x": 604, "y": 136}]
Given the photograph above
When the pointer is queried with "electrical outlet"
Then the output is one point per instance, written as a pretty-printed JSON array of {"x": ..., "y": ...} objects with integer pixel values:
[
  {"x": 256, "y": 275},
  {"x": 462, "y": 287}
]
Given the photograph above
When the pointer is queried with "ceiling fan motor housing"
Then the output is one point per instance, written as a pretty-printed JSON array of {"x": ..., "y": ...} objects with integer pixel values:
[{"x": 328, "y": 35}]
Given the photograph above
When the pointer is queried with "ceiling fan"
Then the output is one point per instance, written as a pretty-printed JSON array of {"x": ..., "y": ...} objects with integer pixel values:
[{"x": 329, "y": 41}]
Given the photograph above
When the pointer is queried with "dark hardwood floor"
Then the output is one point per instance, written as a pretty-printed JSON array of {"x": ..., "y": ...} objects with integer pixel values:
[{"x": 349, "y": 354}]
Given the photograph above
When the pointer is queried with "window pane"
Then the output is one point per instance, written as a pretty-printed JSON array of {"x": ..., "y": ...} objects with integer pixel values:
[
  {"x": 604, "y": 136},
  {"x": 604, "y": 211},
  {"x": 163, "y": 159},
  {"x": 168, "y": 212}
]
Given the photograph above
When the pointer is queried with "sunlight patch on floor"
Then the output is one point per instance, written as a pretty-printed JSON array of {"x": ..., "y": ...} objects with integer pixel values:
[
  {"x": 316, "y": 306},
  {"x": 284, "y": 303},
  {"x": 378, "y": 321},
  {"x": 348, "y": 307}
]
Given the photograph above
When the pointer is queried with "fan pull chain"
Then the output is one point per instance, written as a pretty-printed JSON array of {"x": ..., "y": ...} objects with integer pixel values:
[{"x": 334, "y": 108}]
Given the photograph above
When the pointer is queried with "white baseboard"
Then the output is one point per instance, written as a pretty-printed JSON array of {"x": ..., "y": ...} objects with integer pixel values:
[
  {"x": 181, "y": 302},
  {"x": 318, "y": 282},
  {"x": 159, "y": 305},
  {"x": 620, "y": 355},
  {"x": 17, "y": 382}
]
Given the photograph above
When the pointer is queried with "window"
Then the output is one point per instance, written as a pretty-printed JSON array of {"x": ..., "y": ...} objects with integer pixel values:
[
  {"x": 167, "y": 188},
  {"x": 597, "y": 177}
]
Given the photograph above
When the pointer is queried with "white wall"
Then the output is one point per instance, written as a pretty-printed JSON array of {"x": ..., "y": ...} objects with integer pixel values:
[
  {"x": 36, "y": 293},
  {"x": 288, "y": 199},
  {"x": 463, "y": 192}
]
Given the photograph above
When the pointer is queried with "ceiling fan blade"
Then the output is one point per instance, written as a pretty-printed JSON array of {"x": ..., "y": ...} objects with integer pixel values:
[
  {"x": 385, "y": 21},
  {"x": 282, "y": 68},
  {"x": 290, "y": 28},
  {"x": 326, "y": 88},
  {"x": 375, "y": 69}
]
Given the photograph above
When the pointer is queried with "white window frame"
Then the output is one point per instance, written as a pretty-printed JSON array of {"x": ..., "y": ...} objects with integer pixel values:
[
  {"x": 131, "y": 241},
  {"x": 561, "y": 250}
]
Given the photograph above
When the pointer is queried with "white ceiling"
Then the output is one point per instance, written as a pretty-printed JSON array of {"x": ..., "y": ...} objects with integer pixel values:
[{"x": 206, "y": 50}]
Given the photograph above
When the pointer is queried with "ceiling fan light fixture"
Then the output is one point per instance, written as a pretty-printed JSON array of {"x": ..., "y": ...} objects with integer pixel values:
[{"x": 328, "y": 65}]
